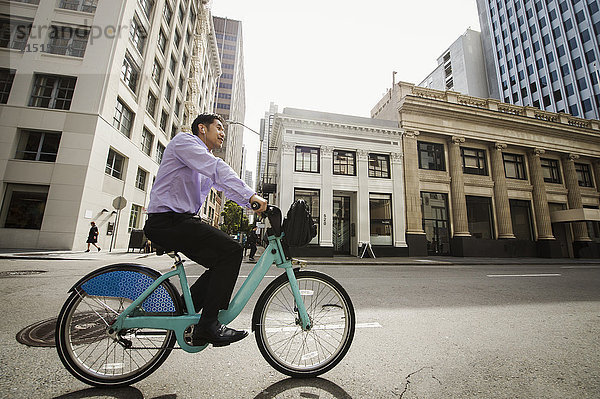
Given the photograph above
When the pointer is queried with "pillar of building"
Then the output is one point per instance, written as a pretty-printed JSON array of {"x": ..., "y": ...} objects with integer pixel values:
[
  {"x": 326, "y": 236},
  {"x": 286, "y": 197},
  {"x": 596, "y": 166},
  {"x": 540, "y": 199},
  {"x": 415, "y": 236},
  {"x": 398, "y": 216},
  {"x": 574, "y": 199},
  {"x": 414, "y": 223},
  {"x": 457, "y": 189},
  {"x": 501, "y": 192},
  {"x": 362, "y": 197}
]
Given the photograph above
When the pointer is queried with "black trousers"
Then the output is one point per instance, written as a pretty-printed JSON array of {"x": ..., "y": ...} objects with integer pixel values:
[
  {"x": 205, "y": 245},
  {"x": 252, "y": 250}
]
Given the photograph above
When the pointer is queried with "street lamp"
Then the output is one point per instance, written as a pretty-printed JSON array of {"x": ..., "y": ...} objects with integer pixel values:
[
  {"x": 241, "y": 124},
  {"x": 229, "y": 121}
]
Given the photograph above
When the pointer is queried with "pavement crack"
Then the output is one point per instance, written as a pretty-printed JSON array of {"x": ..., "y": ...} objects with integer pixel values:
[{"x": 410, "y": 375}]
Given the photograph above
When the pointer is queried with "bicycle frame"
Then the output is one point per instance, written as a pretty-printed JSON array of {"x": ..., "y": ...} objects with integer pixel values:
[{"x": 273, "y": 254}]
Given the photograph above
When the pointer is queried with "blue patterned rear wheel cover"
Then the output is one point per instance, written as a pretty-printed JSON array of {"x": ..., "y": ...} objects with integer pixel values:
[{"x": 130, "y": 284}]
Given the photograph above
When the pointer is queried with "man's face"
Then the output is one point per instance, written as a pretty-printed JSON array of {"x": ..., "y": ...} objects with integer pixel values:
[{"x": 213, "y": 136}]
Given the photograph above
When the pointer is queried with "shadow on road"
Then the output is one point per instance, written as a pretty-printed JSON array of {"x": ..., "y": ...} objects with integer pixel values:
[
  {"x": 117, "y": 393},
  {"x": 304, "y": 388}
]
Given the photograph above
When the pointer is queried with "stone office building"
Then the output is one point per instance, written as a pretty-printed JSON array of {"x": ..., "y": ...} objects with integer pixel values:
[
  {"x": 349, "y": 170},
  {"x": 485, "y": 178}
]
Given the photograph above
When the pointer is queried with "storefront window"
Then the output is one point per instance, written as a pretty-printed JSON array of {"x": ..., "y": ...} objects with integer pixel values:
[
  {"x": 380, "y": 211},
  {"x": 24, "y": 206},
  {"x": 520, "y": 213},
  {"x": 311, "y": 197},
  {"x": 479, "y": 214}
]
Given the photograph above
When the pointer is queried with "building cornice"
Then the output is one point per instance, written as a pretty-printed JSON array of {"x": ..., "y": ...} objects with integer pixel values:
[{"x": 449, "y": 113}]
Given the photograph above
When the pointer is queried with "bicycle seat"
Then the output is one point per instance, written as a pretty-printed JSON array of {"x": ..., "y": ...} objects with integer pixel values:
[{"x": 161, "y": 251}]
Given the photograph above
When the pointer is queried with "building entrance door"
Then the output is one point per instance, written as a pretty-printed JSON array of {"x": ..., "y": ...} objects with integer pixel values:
[
  {"x": 341, "y": 225},
  {"x": 435, "y": 222}
]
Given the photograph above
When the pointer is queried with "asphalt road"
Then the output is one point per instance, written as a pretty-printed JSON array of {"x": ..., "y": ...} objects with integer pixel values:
[{"x": 428, "y": 331}]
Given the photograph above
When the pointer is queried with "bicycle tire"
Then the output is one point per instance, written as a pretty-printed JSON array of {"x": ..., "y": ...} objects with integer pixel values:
[
  {"x": 82, "y": 341},
  {"x": 280, "y": 339}
]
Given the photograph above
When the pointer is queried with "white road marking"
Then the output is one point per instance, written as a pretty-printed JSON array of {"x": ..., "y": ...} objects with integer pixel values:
[
  {"x": 526, "y": 275},
  {"x": 323, "y": 327}
]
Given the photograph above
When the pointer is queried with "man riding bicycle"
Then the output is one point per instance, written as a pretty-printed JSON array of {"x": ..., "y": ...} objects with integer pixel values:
[{"x": 186, "y": 174}]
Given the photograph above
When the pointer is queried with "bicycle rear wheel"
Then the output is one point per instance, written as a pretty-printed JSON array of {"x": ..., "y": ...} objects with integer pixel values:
[
  {"x": 82, "y": 339},
  {"x": 278, "y": 330}
]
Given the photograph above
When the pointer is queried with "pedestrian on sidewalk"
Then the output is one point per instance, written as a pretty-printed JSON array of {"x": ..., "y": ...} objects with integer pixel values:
[
  {"x": 92, "y": 237},
  {"x": 251, "y": 240}
]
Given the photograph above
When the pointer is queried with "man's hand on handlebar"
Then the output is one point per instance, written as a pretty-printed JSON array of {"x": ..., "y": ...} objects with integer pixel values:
[{"x": 258, "y": 203}]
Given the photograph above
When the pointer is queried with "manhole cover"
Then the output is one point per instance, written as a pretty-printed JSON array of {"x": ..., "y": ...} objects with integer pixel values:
[
  {"x": 86, "y": 329},
  {"x": 16, "y": 273}
]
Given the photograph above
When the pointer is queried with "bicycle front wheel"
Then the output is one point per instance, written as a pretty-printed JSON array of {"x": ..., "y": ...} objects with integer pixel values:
[
  {"x": 83, "y": 341},
  {"x": 278, "y": 329}
]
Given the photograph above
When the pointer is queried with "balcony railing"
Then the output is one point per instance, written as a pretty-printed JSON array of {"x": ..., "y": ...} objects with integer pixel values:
[
  {"x": 79, "y": 5},
  {"x": 28, "y": 1}
]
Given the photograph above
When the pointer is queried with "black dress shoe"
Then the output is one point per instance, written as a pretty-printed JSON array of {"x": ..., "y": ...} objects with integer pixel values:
[{"x": 216, "y": 334}]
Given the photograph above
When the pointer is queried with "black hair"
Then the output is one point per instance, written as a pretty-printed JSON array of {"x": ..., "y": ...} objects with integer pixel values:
[{"x": 206, "y": 120}]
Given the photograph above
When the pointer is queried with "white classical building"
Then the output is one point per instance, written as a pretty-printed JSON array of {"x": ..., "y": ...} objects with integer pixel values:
[
  {"x": 91, "y": 93},
  {"x": 349, "y": 170}
]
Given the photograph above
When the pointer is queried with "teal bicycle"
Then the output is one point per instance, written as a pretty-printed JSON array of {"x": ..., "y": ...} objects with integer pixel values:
[{"x": 121, "y": 322}]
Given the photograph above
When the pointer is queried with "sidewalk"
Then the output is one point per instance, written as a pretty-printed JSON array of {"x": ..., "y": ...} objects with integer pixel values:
[{"x": 123, "y": 255}]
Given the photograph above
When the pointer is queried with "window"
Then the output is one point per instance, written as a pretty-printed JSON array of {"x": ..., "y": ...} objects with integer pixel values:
[
  {"x": 550, "y": 170},
  {"x": 147, "y": 140},
  {"x": 7, "y": 76},
  {"x": 36, "y": 145},
  {"x": 52, "y": 91},
  {"x": 66, "y": 40},
  {"x": 584, "y": 175},
  {"x": 379, "y": 165},
  {"x": 344, "y": 163},
  {"x": 431, "y": 156},
  {"x": 311, "y": 197},
  {"x": 167, "y": 12},
  {"x": 177, "y": 108},
  {"x": 130, "y": 73},
  {"x": 307, "y": 159},
  {"x": 163, "y": 120},
  {"x": 147, "y": 6},
  {"x": 156, "y": 71},
  {"x": 380, "y": 212},
  {"x": 168, "y": 92},
  {"x": 79, "y": 5},
  {"x": 479, "y": 216},
  {"x": 162, "y": 41},
  {"x": 160, "y": 150},
  {"x": 115, "y": 164},
  {"x": 173, "y": 64},
  {"x": 181, "y": 13},
  {"x": 14, "y": 34},
  {"x": 177, "y": 39},
  {"x": 520, "y": 214},
  {"x": 514, "y": 166},
  {"x": 134, "y": 217},
  {"x": 140, "y": 179},
  {"x": 138, "y": 35},
  {"x": 151, "y": 104},
  {"x": 123, "y": 119},
  {"x": 474, "y": 161},
  {"x": 23, "y": 206}
]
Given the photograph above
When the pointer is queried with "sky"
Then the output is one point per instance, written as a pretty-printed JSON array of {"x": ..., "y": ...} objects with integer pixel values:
[{"x": 338, "y": 55}]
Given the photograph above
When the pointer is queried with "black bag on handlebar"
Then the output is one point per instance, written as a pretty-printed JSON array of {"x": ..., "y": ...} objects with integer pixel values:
[{"x": 298, "y": 226}]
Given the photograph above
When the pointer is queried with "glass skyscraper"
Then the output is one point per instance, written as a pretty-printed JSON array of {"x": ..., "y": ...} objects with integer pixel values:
[{"x": 543, "y": 53}]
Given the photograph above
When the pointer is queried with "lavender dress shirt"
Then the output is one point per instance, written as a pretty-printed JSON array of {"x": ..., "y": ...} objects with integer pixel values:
[{"x": 186, "y": 174}]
